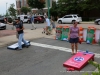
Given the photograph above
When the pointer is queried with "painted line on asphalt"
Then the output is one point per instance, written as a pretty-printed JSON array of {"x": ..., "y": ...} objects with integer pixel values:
[{"x": 57, "y": 48}]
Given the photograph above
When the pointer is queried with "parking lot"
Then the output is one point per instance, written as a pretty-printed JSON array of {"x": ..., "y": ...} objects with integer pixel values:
[{"x": 41, "y": 59}]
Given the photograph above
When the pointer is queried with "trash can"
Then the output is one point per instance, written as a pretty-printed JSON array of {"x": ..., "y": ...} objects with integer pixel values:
[
  {"x": 90, "y": 35},
  {"x": 58, "y": 32},
  {"x": 65, "y": 31}
]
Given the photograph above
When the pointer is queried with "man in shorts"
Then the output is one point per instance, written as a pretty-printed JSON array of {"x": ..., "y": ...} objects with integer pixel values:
[{"x": 48, "y": 25}]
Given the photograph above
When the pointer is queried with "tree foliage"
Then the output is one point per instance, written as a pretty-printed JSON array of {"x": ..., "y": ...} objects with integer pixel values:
[
  {"x": 89, "y": 4},
  {"x": 7, "y": 14},
  {"x": 12, "y": 10},
  {"x": 53, "y": 10},
  {"x": 25, "y": 10},
  {"x": 83, "y": 4},
  {"x": 81, "y": 7},
  {"x": 68, "y": 6},
  {"x": 36, "y": 4}
]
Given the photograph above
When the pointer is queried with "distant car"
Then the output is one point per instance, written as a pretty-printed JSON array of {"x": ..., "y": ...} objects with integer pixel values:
[
  {"x": 3, "y": 23},
  {"x": 70, "y": 19},
  {"x": 97, "y": 21},
  {"x": 23, "y": 18},
  {"x": 2, "y": 26},
  {"x": 2, "y": 19},
  {"x": 37, "y": 19},
  {"x": 43, "y": 19}
]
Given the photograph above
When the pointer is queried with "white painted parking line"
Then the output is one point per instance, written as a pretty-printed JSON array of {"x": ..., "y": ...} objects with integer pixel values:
[{"x": 57, "y": 48}]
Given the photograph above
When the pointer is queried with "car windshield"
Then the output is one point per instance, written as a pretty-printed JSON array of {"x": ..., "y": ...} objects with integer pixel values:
[{"x": 25, "y": 17}]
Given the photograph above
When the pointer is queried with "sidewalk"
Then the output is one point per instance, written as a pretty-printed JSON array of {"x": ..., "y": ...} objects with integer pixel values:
[
  {"x": 29, "y": 35},
  {"x": 91, "y": 22},
  {"x": 9, "y": 36}
]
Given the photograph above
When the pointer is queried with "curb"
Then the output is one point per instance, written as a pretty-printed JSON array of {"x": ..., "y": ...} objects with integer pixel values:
[
  {"x": 96, "y": 70},
  {"x": 87, "y": 23}
]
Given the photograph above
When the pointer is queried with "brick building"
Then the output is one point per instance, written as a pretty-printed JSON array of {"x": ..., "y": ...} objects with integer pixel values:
[{"x": 19, "y": 4}]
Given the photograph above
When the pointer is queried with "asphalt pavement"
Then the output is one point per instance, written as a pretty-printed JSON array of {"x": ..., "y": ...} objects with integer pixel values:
[
  {"x": 42, "y": 25},
  {"x": 45, "y": 56},
  {"x": 37, "y": 60}
]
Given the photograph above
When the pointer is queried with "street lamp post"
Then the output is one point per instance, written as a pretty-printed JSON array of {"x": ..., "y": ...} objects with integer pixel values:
[
  {"x": 6, "y": 8},
  {"x": 48, "y": 3}
]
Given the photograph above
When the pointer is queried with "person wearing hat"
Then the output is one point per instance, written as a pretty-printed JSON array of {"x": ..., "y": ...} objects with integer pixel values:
[{"x": 19, "y": 29}]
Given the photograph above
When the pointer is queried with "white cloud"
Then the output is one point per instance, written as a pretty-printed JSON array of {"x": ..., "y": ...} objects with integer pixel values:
[{"x": 3, "y": 5}]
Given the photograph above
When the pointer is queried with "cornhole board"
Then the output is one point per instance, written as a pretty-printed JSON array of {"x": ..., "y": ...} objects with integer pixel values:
[
  {"x": 15, "y": 46},
  {"x": 79, "y": 60}
]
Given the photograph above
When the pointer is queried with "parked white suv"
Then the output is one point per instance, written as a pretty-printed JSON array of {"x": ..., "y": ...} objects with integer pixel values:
[
  {"x": 70, "y": 19},
  {"x": 23, "y": 18}
]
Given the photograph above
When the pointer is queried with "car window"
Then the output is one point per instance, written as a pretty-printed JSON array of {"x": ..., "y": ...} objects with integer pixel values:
[
  {"x": 19, "y": 18},
  {"x": 75, "y": 16},
  {"x": 25, "y": 17},
  {"x": 67, "y": 16}
]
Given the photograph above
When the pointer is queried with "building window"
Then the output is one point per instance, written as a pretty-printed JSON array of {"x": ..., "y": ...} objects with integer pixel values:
[
  {"x": 21, "y": 3},
  {"x": 25, "y": 3}
]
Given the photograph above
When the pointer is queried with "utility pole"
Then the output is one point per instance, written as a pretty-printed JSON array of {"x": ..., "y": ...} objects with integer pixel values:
[
  {"x": 6, "y": 8},
  {"x": 48, "y": 3}
]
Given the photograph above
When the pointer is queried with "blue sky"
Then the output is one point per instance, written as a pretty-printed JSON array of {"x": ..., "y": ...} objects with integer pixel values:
[{"x": 3, "y": 5}]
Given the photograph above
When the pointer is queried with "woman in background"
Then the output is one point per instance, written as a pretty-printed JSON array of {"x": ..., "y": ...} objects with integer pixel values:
[
  {"x": 74, "y": 37},
  {"x": 53, "y": 25}
]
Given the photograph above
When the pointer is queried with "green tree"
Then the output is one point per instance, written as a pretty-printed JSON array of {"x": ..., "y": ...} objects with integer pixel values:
[
  {"x": 36, "y": 4},
  {"x": 12, "y": 10},
  {"x": 68, "y": 6},
  {"x": 25, "y": 10},
  {"x": 87, "y": 6},
  {"x": 39, "y": 4},
  {"x": 82, "y": 7},
  {"x": 53, "y": 10},
  {"x": 7, "y": 14}
]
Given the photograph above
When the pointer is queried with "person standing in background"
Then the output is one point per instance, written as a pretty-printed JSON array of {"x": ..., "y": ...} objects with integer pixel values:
[
  {"x": 74, "y": 37},
  {"x": 53, "y": 24},
  {"x": 48, "y": 25},
  {"x": 32, "y": 21}
]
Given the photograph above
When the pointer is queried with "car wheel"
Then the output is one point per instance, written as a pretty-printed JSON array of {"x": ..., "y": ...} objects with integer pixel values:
[
  {"x": 28, "y": 22},
  {"x": 78, "y": 22},
  {"x": 60, "y": 22},
  {"x": 37, "y": 21},
  {"x": 73, "y": 21},
  {"x": 98, "y": 23},
  {"x": 4, "y": 28}
]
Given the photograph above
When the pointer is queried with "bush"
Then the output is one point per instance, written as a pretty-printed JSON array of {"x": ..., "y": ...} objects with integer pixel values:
[{"x": 96, "y": 65}]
